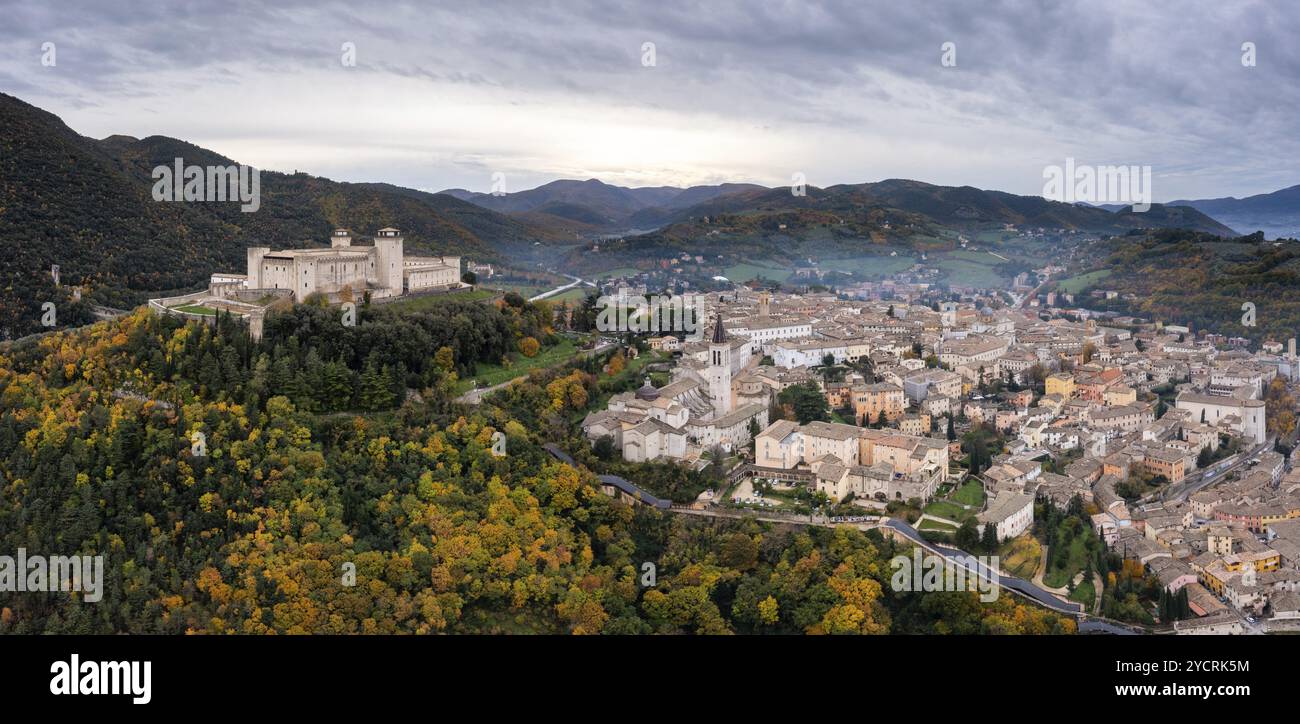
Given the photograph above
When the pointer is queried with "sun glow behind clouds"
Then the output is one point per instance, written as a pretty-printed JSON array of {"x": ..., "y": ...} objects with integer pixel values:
[{"x": 353, "y": 126}]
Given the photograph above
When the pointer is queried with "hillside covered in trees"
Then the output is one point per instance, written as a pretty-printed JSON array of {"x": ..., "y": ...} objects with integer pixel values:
[
  {"x": 325, "y": 446},
  {"x": 1189, "y": 278},
  {"x": 87, "y": 206}
]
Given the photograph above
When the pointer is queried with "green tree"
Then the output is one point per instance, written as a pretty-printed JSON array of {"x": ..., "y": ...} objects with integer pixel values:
[
  {"x": 807, "y": 402},
  {"x": 967, "y": 536},
  {"x": 989, "y": 538}
]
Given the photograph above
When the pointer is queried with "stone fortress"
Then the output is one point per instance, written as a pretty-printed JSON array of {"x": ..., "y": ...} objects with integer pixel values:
[
  {"x": 381, "y": 270},
  {"x": 341, "y": 273}
]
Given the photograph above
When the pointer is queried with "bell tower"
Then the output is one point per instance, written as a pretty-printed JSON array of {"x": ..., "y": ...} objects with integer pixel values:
[{"x": 720, "y": 369}]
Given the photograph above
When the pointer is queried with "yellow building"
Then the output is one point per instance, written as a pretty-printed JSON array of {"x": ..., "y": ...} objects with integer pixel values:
[
  {"x": 1060, "y": 384},
  {"x": 1216, "y": 575},
  {"x": 1120, "y": 395},
  {"x": 876, "y": 401}
]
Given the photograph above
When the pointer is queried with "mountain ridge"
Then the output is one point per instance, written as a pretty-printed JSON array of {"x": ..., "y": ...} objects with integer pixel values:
[
  {"x": 87, "y": 206},
  {"x": 954, "y": 206}
]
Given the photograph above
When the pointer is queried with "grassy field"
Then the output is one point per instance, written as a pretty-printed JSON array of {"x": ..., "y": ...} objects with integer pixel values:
[
  {"x": 976, "y": 257},
  {"x": 746, "y": 271},
  {"x": 520, "y": 365},
  {"x": 970, "y": 493},
  {"x": 432, "y": 301},
  {"x": 1020, "y": 556},
  {"x": 1085, "y": 594},
  {"x": 969, "y": 272},
  {"x": 1077, "y": 560},
  {"x": 994, "y": 235},
  {"x": 197, "y": 309},
  {"x": 935, "y": 525},
  {"x": 576, "y": 294},
  {"x": 524, "y": 290},
  {"x": 1074, "y": 285},
  {"x": 951, "y": 511},
  {"x": 875, "y": 266}
]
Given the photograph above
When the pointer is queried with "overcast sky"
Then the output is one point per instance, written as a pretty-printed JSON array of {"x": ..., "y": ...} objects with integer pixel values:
[{"x": 445, "y": 94}]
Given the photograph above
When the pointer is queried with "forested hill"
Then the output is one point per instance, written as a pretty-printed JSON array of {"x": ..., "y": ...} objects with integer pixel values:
[
  {"x": 86, "y": 205},
  {"x": 847, "y": 219},
  {"x": 1182, "y": 277},
  {"x": 316, "y": 456}
]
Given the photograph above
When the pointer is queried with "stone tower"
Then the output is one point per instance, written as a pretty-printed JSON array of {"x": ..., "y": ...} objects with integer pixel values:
[
  {"x": 341, "y": 239},
  {"x": 720, "y": 369},
  {"x": 764, "y": 304},
  {"x": 388, "y": 260},
  {"x": 255, "y": 254}
]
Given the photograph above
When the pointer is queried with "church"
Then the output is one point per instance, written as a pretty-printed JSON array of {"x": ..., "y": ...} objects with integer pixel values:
[{"x": 697, "y": 411}]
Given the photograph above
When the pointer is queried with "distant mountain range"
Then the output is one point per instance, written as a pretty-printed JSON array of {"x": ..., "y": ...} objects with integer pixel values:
[
  {"x": 860, "y": 210},
  {"x": 595, "y": 205},
  {"x": 1277, "y": 214}
]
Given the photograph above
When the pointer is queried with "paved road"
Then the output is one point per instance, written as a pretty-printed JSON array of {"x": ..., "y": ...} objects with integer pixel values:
[
  {"x": 957, "y": 557},
  {"x": 101, "y": 312},
  {"x": 561, "y": 289},
  {"x": 1011, "y": 583},
  {"x": 1096, "y": 625},
  {"x": 772, "y": 517},
  {"x": 1042, "y": 570},
  {"x": 1197, "y": 481},
  {"x": 1032, "y": 293}
]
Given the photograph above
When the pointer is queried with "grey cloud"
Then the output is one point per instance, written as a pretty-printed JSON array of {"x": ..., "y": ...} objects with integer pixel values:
[{"x": 1155, "y": 85}]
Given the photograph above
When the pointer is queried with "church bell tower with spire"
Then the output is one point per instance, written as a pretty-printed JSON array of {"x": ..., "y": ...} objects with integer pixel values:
[{"x": 720, "y": 369}]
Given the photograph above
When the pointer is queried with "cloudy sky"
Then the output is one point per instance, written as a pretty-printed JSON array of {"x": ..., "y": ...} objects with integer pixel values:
[{"x": 444, "y": 94}]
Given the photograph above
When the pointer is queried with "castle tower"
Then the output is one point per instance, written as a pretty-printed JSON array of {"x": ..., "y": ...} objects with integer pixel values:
[
  {"x": 720, "y": 370},
  {"x": 255, "y": 323},
  {"x": 764, "y": 304},
  {"x": 340, "y": 239},
  {"x": 255, "y": 254},
  {"x": 388, "y": 259}
]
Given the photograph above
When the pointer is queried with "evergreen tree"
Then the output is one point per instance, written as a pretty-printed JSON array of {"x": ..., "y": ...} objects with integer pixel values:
[
  {"x": 967, "y": 536},
  {"x": 337, "y": 386},
  {"x": 989, "y": 538}
]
